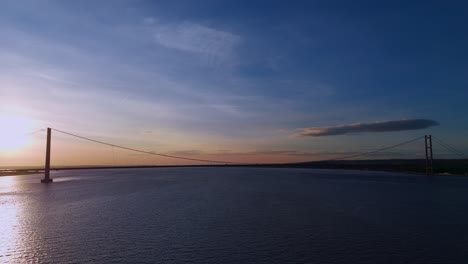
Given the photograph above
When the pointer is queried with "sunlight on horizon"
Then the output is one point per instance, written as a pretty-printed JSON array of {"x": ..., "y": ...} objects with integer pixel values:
[{"x": 14, "y": 134}]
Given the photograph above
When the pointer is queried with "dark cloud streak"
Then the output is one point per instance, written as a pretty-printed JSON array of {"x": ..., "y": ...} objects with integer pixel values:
[{"x": 384, "y": 126}]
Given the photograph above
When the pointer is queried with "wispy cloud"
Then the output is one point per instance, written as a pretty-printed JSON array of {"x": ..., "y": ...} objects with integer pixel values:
[
  {"x": 384, "y": 126},
  {"x": 196, "y": 38}
]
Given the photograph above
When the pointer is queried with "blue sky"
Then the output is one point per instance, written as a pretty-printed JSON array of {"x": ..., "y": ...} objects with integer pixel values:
[{"x": 237, "y": 77}]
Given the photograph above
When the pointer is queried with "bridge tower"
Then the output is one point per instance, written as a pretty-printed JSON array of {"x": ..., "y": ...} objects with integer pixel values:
[
  {"x": 47, "y": 178},
  {"x": 428, "y": 144}
]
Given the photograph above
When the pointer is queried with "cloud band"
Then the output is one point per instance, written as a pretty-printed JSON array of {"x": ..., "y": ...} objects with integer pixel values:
[{"x": 385, "y": 126}]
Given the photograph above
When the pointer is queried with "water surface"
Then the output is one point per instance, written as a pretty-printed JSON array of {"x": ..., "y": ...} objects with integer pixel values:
[{"x": 233, "y": 215}]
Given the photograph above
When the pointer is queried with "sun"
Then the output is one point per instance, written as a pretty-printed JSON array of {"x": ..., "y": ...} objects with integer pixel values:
[{"x": 13, "y": 133}]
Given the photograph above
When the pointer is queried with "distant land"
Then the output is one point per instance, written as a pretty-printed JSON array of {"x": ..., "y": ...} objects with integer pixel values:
[{"x": 440, "y": 166}]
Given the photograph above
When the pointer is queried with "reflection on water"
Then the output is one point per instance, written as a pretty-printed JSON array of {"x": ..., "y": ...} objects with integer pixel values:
[
  {"x": 233, "y": 215},
  {"x": 9, "y": 215},
  {"x": 7, "y": 183},
  {"x": 22, "y": 207}
]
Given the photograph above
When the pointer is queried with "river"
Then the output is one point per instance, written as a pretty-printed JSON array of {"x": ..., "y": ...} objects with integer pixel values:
[{"x": 233, "y": 215}]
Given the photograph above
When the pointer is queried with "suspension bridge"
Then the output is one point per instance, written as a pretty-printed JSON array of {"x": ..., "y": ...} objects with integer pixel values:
[{"x": 427, "y": 151}]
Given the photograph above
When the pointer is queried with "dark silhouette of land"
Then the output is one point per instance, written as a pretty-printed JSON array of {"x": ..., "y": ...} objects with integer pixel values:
[{"x": 441, "y": 166}]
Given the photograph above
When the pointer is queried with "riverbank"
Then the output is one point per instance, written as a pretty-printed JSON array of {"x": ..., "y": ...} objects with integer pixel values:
[
  {"x": 13, "y": 173},
  {"x": 417, "y": 166}
]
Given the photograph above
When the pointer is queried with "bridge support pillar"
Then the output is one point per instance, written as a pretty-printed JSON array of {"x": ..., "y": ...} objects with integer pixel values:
[
  {"x": 428, "y": 144},
  {"x": 47, "y": 178}
]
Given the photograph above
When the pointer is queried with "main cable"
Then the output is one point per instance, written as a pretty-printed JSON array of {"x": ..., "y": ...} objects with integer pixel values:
[
  {"x": 373, "y": 151},
  {"x": 35, "y": 131},
  {"x": 145, "y": 152},
  {"x": 449, "y": 147}
]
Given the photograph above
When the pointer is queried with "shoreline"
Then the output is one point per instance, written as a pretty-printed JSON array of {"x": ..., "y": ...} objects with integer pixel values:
[
  {"x": 18, "y": 173},
  {"x": 393, "y": 166}
]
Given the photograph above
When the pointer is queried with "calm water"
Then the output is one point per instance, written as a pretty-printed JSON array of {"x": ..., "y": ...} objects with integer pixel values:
[{"x": 233, "y": 215}]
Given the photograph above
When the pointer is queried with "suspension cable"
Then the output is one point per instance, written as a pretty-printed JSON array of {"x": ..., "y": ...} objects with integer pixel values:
[
  {"x": 374, "y": 151},
  {"x": 145, "y": 152},
  {"x": 449, "y": 147},
  {"x": 35, "y": 131},
  {"x": 230, "y": 162}
]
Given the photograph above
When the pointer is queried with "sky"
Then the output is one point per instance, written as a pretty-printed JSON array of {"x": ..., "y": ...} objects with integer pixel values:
[{"x": 244, "y": 81}]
